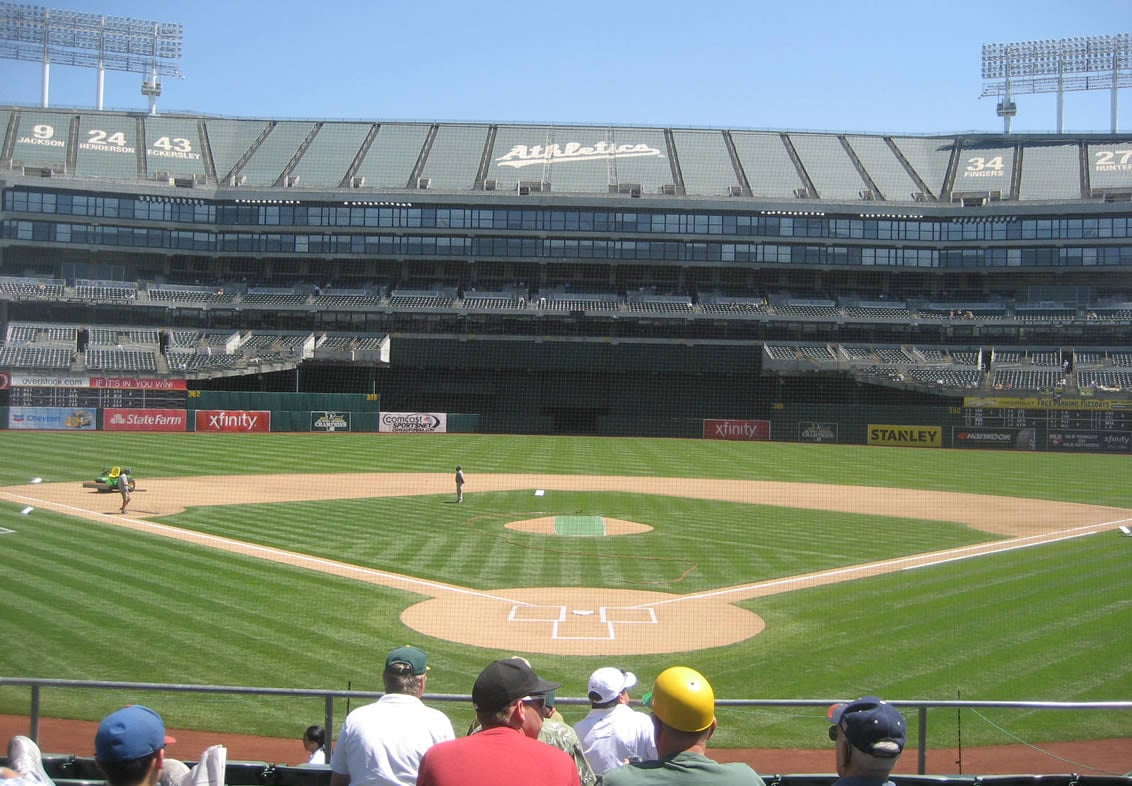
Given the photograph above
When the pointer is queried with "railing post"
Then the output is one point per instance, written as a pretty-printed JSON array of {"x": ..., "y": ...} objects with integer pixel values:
[
  {"x": 33, "y": 730},
  {"x": 922, "y": 752},
  {"x": 328, "y": 724}
]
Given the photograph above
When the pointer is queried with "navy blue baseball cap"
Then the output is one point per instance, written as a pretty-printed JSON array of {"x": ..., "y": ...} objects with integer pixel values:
[
  {"x": 130, "y": 733},
  {"x": 871, "y": 725}
]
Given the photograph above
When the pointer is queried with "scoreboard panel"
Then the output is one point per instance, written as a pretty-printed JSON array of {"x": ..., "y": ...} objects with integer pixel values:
[
  {"x": 97, "y": 398},
  {"x": 1009, "y": 417}
]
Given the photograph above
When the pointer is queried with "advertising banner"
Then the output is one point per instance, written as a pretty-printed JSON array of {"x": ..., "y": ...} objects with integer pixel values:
[
  {"x": 1009, "y": 438},
  {"x": 906, "y": 436},
  {"x": 1093, "y": 441},
  {"x": 138, "y": 384},
  {"x": 53, "y": 418},
  {"x": 114, "y": 419},
  {"x": 21, "y": 379},
  {"x": 330, "y": 422},
  {"x": 233, "y": 420},
  {"x": 754, "y": 430},
  {"x": 809, "y": 431},
  {"x": 414, "y": 422}
]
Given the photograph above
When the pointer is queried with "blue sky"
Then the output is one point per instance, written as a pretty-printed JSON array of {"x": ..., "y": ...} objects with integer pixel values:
[{"x": 873, "y": 66}]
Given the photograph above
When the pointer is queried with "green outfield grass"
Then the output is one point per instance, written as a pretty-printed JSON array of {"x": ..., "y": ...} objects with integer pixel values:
[{"x": 87, "y": 601}]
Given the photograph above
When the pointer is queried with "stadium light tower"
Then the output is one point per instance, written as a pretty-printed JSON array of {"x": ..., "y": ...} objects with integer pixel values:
[
  {"x": 1054, "y": 66},
  {"x": 73, "y": 38}
]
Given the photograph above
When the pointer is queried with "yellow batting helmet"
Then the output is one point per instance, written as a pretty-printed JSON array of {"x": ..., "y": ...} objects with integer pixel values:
[{"x": 683, "y": 699}]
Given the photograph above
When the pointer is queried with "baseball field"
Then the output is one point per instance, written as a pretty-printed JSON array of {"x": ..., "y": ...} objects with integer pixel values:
[{"x": 781, "y": 571}]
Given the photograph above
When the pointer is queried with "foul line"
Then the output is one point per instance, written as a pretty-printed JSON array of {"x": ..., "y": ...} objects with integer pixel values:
[
  {"x": 392, "y": 580},
  {"x": 921, "y": 561},
  {"x": 297, "y": 559}
]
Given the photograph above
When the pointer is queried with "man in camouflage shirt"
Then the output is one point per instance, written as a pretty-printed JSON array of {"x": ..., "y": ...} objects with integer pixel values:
[{"x": 560, "y": 734}]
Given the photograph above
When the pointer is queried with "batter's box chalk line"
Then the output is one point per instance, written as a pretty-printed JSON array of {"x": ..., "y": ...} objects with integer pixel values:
[{"x": 604, "y": 623}]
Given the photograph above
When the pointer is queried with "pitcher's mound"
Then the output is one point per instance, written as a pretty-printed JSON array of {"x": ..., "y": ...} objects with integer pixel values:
[{"x": 579, "y": 526}]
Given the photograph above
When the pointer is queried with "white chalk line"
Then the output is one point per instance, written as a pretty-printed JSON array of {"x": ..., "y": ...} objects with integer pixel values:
[
  {"x": 320, "y": 564},
  {"x": 899, "y": 563},
  {"x": 387, "y": 578}
]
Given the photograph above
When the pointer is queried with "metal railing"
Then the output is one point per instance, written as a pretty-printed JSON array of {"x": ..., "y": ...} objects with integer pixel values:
[{"x": 921, "y": 707}]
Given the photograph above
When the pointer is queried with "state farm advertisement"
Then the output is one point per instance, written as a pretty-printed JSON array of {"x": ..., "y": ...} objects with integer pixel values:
[
  {"x": 145, "y": 420},
  {"x": 240, "y": 421},
  {"x": 755, "y": 430}
]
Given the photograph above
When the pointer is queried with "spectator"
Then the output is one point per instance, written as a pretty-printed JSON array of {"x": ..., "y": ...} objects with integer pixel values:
[
  {"x": 25, "y": 765},
  {"x": 560, "y": 734},
  {"x": 129, "y": 746},
  {"x": 556, "y": 732},
  {"x": 314, "y": 743},
  {"x": 613, "y": 734},
  {"x": 381, "y": 744},
  {"x": 683, "y": 712},
  {"x": 508, "y": 698},
  {"x": 870, "y": 736}
]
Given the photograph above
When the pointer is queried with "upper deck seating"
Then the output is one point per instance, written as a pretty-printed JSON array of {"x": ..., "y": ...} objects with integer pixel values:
[
  {"x": 174, "y": 293},
  {"x": 958, "y": 378},
  {"x": 879, "y": 311},
  {"x": 112, "y": 336},
  {"x": 40, "y": 333},
  {"x": 807, "y": 308},
  {"x": 1026, "y": 379},
  {"x": 780, "y": 352},
  {"x": 22, "y": 356},
  {"x": 31, "y": 287},
  {"x": 195, "y": 360},
  {"x": 272, "y": 296},
  {"x": 1045, "y": 312},
  {"x": 660, "y": 304},
  {"x": 120, "y": 360},
  {"x": 106, "y": 290},
  {"x": 1105, "y": 380},
  {"x": 487, "y": 302},
  {"x": 347, "y": 298},
  {"x": 819, "y": 352}
]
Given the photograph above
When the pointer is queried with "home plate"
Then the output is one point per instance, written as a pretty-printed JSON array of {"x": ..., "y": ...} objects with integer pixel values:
[{"x": 582, "y": 612}]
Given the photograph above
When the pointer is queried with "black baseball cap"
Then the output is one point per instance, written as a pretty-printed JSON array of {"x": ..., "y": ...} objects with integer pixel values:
[{"x": 506, "y": 681}]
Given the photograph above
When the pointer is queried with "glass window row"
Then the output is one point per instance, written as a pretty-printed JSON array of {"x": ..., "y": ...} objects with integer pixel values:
[
  {"x": 196, "y": 211},
  {"x": 561, "y": 248}
]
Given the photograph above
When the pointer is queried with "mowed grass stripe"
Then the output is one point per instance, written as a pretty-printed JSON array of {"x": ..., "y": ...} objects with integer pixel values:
[
  {"x": 1045, "y": 622},
  {"x": 79, "y": 456}
]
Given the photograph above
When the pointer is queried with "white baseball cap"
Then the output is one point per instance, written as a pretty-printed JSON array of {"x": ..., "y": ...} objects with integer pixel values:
[{"x": 608, "y": 682}]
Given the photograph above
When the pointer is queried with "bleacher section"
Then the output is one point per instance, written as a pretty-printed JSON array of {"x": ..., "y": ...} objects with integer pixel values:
[{"x": 24, "y": 357}]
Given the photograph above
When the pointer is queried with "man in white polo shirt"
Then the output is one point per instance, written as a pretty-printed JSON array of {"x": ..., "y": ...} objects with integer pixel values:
[
  {"x": 614, "y": 734},
  {"x": 381, "y": 744}
]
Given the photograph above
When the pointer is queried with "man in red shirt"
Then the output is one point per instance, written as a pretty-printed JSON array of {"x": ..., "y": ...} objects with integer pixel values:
[{"x": 508, "y": 698}]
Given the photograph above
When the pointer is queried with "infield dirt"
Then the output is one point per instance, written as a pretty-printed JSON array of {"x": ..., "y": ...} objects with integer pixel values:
[{"x": 578, "y": 620}]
